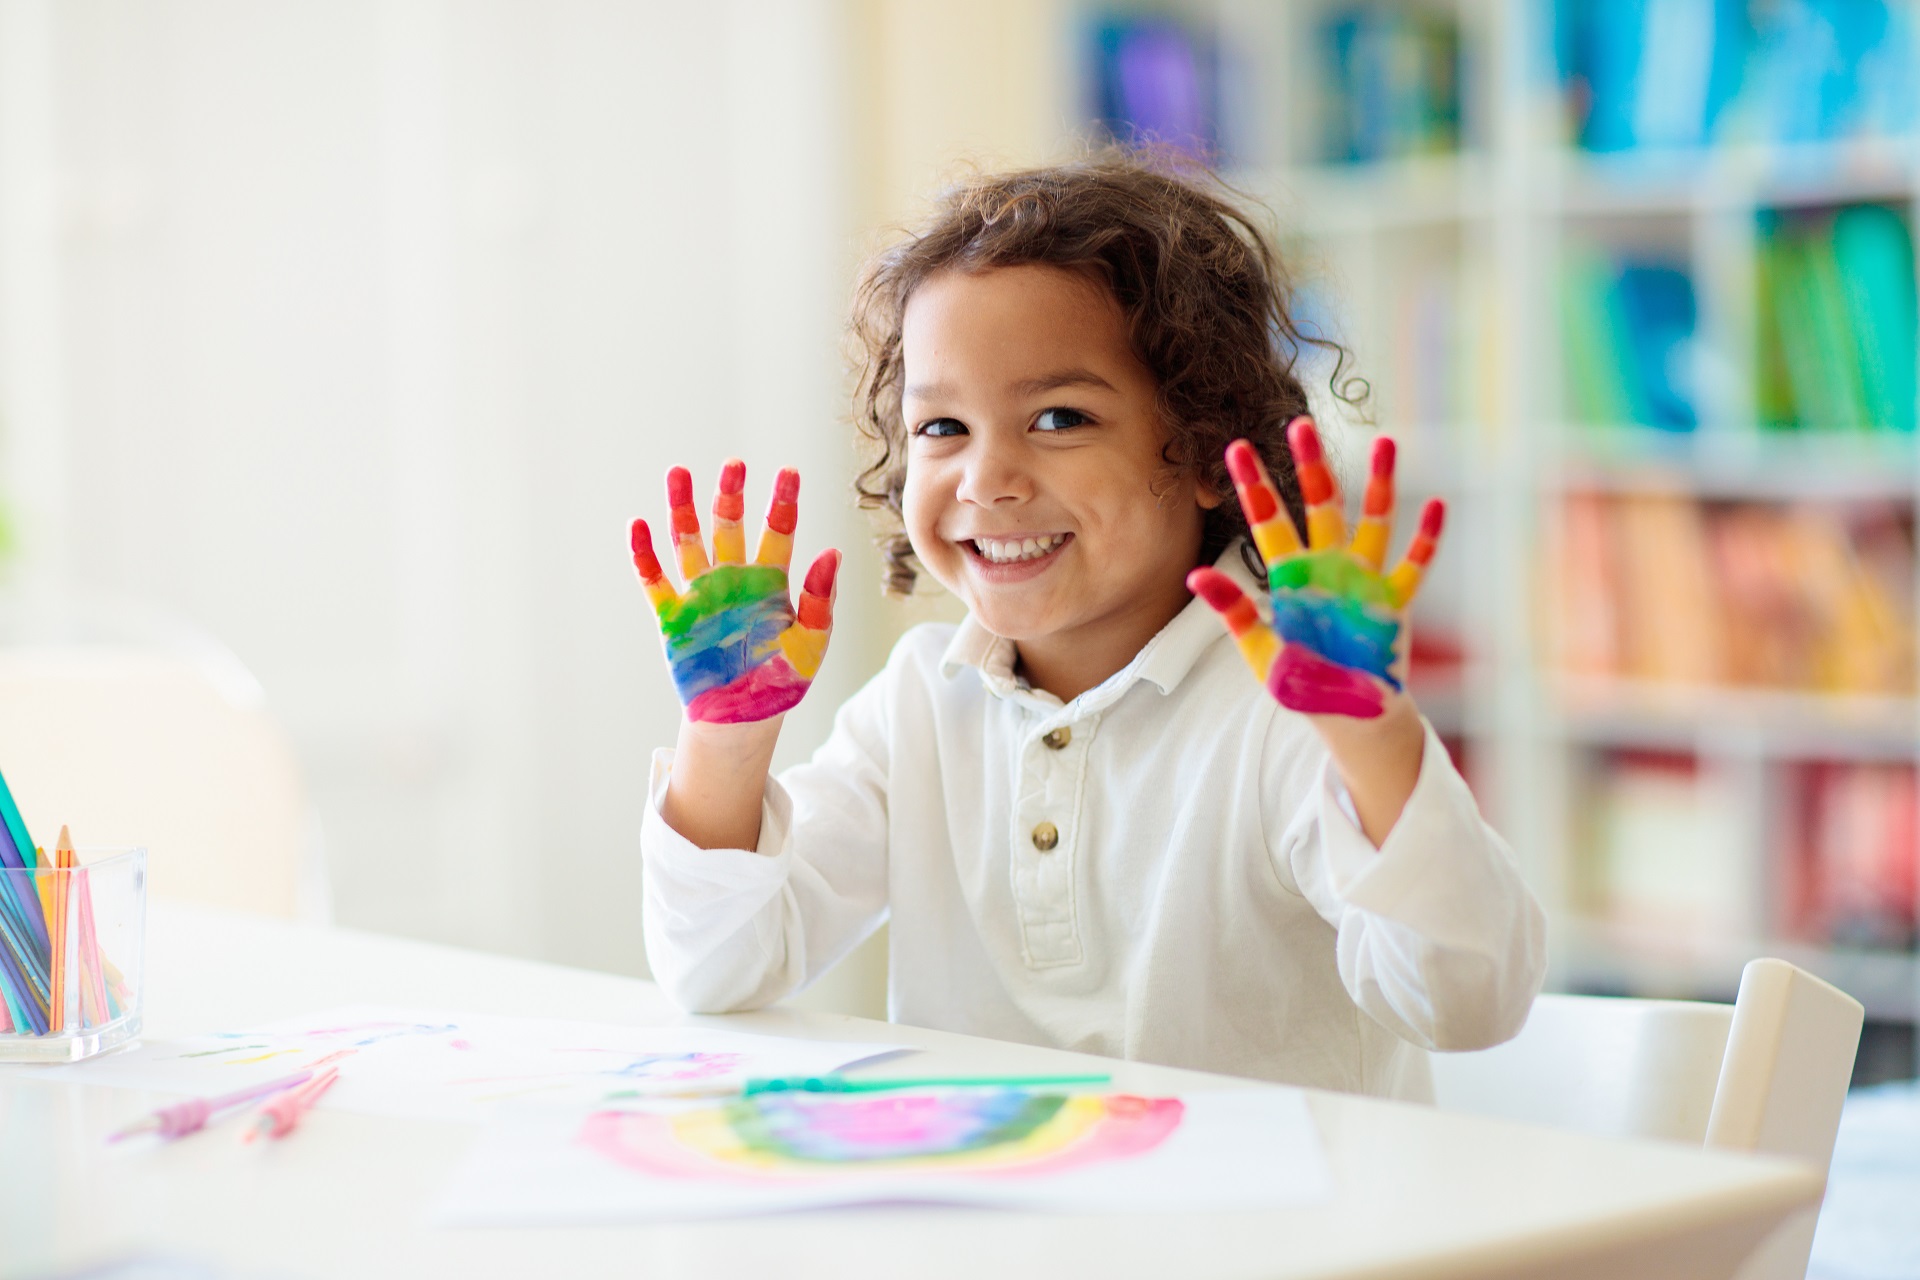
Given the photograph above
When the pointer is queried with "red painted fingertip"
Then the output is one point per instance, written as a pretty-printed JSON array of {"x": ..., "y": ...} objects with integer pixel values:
[
  {"x": 1215, "y": 587},
  {"x": 1433, "y": 517},
  {"x": 641, "y": 539},
  {"x": 820, "y": 577},
  {"x": 1305, "y": 441},
  {"x": 679, "y": 487},
  {"x": 1243, "y": 464},
  {"x": 786, "y": 485},
  {"x": 733, "y": 476},
  {"x": 1384, "y": 452}
]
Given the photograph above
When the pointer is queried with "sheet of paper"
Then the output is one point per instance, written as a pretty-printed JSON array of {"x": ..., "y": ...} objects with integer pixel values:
[
  {"x": 443, "y": 1065},
  {"x": 1002, "y": 1148}
]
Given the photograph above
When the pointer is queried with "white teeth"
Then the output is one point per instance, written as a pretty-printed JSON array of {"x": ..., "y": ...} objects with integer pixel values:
[{"x": 1009, "y": 550}]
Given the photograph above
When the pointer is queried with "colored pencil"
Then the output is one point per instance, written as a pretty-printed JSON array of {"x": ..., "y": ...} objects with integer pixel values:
[
  {"x": 57, "y": 964},
  {"x": 24, "y": 1001},
  {"x": 278, "y": 1116},
  {"x": 854, "y": 1084},
  {"x": 187, "y": 1117},
  {"x": 17, "y": 853},
  {"x": 93, "y": 979}
]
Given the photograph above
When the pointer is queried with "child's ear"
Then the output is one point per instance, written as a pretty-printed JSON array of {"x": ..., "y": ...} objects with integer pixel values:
[{"x": 1204, "y": 494}]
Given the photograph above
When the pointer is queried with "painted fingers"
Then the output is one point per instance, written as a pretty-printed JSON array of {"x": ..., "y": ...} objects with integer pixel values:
[
  {"x": 1326, "y": 526},
  {"x": 1258, "y": 643},
  {"x": 1404, "y": 581},
  {"x": 1376, "y": 509},
  {"x": 804, "y": 643},
  {"x": 729, "y": 534},
  {"x": 1273, "y": 533}
]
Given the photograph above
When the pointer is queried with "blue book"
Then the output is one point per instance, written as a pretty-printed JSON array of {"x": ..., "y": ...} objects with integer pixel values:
[{"x": 1657, "y": 314}]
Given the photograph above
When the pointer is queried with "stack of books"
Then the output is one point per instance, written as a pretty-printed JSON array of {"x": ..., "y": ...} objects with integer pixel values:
[
  {"x": 1687, "y": 73},
  {"x": 1837, "y": 321},
  {"x": 1852, "y": 874},
  {"x": 1393, "y": 83},
  {"x": 1663, "y": 587}
]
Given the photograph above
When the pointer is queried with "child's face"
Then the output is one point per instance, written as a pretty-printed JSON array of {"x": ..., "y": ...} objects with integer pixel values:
[{"x": 1035, "y": 489}]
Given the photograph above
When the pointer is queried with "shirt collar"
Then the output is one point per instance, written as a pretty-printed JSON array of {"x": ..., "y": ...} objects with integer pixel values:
[{"x": 1164, "y": 661}]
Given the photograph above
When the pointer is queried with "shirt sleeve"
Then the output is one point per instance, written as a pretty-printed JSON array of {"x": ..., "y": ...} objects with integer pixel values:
[
  {"x": 732, "y": 929},
  {"x": 1439, "y": 938}
]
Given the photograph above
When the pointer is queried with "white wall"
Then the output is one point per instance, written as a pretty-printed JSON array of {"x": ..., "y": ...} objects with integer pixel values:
[{"x": 356, "y": 332}]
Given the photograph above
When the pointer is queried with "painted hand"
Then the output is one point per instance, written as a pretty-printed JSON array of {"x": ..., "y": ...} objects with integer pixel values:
[
  {"x": 1336, "y": 641},
  {"x": 737, "y": 648}
]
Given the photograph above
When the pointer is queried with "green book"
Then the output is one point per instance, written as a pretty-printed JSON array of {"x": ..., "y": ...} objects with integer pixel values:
[
  {"x": 1773, "y": 389},
  {"x": 1815, "y": 341},
  {"x": 1844, "y": 401},
  {"x": 1874, "y": 257},
  {"x": 1599, "y": 388}
]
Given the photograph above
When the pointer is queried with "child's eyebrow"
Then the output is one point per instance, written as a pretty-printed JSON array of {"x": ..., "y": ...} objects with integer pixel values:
[
  {"x": 1024, "y": 387},
  {"x": 1063, "y": 378}
]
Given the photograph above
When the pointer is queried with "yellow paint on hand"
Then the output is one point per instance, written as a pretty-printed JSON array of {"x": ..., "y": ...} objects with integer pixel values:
[{"x": 804, "y": 648}]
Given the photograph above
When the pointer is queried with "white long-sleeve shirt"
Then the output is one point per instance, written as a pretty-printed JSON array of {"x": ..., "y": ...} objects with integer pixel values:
[{"x": 1205, "y": 900}]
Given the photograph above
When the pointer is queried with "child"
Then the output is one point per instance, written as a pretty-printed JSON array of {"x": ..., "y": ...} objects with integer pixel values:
[{"x": 1089, "y": 828}]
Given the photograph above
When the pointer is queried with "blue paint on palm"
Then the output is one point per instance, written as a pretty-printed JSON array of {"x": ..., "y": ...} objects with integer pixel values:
[
  {"x": 1343, "y": 631},
  {"x": 723, "y": 647}
]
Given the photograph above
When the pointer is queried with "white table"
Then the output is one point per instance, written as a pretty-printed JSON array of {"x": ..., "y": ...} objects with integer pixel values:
[{"x": 1419, "y": 1192}]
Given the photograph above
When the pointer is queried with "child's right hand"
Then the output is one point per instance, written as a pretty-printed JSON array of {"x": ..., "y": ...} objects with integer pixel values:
[{"x": 738, "y": 650}]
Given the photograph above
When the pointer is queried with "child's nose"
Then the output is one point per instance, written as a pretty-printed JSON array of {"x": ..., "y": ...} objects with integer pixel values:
[{"x": 994, "y": 472}]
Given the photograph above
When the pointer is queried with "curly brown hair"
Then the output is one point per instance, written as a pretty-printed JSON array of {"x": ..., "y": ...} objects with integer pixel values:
[{"x": 1204, "y": 293}]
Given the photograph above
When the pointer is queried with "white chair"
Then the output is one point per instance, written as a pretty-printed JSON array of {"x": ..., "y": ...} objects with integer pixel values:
[
  {"x": 165, "y": 742},
  {"x": 1768, "y": 1073}
]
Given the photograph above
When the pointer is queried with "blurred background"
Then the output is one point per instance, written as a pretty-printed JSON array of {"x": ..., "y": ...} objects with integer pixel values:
[{"x": 339, "y": 343}]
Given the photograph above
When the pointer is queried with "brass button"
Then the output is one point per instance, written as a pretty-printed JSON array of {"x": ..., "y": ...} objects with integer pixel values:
[
  {"x": 1058, "y": 738},
  {"x": 1045, "y": 836}
]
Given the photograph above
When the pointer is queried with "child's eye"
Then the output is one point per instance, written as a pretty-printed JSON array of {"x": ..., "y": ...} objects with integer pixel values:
[
  {"x": 941, "y": 427},
  {"x": 1059, "y": 419}
]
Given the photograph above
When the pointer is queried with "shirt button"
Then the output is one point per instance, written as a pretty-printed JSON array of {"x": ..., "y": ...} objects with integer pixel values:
[
  {"x": 1058, "y": 738},
  {"x": 1045, "y": 836}
]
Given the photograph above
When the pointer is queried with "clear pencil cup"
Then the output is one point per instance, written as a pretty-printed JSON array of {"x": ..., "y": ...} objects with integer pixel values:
[{"x": 71, "y": 947}]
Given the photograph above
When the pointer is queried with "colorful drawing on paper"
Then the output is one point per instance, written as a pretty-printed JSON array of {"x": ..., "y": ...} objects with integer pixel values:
[
  {"x": 1018, "y": 1148},
  {"x": 463, "y": 1066},
  {"x": 976, "y": 1132},
  {"x": 738, "y": 649},
  {"x": 1332, "y": 643}
]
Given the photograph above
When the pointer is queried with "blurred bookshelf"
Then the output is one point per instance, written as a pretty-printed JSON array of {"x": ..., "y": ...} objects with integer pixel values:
[{"x": 1633, "y": 283}]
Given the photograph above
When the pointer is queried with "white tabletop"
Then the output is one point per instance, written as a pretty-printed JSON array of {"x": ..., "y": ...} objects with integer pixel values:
[{"x": 1418, "y": 1192}]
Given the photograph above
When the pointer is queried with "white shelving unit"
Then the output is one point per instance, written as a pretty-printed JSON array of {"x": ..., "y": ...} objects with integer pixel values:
[{"x": 1492, "y": 222}]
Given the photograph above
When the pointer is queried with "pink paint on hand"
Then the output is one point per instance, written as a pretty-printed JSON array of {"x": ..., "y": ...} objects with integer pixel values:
[
  {"x": 1304, "y": 681},
  {"x": 760, "y": 694}
]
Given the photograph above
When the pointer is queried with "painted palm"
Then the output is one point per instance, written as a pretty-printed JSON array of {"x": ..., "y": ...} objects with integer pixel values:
[
  {"x": 738, "y": 649},
  {"x": 1334, "y": 639}
]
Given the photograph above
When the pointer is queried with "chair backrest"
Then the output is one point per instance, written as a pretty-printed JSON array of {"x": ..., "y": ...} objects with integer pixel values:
[
  {"x": 1593, "y": 1064},
  {"x": 1768, "y": 1074},
  {"x": 131, "y": 747},
  {"x": 1789, "y": 1060}
]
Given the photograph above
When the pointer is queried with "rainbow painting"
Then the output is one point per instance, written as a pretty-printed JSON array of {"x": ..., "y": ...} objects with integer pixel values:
[{"x": 994, "y": 1133}]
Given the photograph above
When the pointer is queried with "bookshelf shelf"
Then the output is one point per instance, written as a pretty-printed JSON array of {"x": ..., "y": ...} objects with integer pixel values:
[
  {"x": 1738, "y": 463},
  {"x": 1775, "y": 724},
  {"x": 1359, "y": 199}
]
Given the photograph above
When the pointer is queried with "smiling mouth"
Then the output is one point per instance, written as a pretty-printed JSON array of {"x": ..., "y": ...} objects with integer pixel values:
[{"x": 1016, "y": 550}]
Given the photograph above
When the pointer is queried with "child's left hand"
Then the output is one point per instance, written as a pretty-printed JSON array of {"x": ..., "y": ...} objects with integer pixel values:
[{"x": 1337, "y": 641}]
